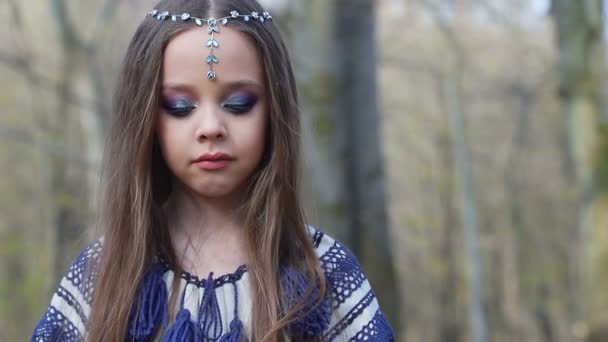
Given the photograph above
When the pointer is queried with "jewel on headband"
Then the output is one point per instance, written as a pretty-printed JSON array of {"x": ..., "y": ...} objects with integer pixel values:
[{"x": 212, "y": 29}]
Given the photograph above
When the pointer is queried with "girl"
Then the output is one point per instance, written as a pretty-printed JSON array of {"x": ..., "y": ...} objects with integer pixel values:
[{"x": 205, "y": 238}]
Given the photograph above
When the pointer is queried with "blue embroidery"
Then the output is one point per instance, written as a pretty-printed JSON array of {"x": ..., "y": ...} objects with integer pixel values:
[
  {"x": 54, "y": 326},
  {"x": 72, "y": 302},
  {"x": 150, "y": 307},
  {"x": 343, "y": 273},
  {"x": 350, "y": 317},
  {"x": 230, "y": 278},
  {"x": 316, "y": 238},
  {"x": 376, "y": 330},
  {"x": 84, "y": 270},
  {"x": 311, "y": 320}
]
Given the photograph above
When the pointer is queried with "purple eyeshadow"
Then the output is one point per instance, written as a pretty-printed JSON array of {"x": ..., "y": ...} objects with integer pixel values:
[
  {"x": 240, "y": 102},
  {"x": 242, "y": 97},
  {"x": 179, "y": 106},
  {"x": 176, "y": 101}
]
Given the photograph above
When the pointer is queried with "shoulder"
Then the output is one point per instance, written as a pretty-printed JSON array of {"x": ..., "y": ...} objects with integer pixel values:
[
  {"x": 342, "y": 269},
  {"x": 67, "y": 315},
  {"x": 356, "y": 314}
]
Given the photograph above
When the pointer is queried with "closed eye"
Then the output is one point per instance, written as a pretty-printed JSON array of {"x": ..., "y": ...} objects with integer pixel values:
[
  {"x": 178, "y": 107},
  {"x": 240, "y": 103},
  {"x": 237, "y": 108}
]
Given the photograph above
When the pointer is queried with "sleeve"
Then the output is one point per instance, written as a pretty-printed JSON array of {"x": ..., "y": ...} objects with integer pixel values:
[
  {"x": 67, "y": 315},
  {"x": 356, "y": 314}
]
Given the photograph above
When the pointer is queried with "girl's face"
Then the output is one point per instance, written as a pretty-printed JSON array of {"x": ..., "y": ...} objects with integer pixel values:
[{"x": 212, "y": 133}]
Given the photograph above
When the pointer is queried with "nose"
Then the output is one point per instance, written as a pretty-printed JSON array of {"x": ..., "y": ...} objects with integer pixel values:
[{"x": 210, "y": 124}]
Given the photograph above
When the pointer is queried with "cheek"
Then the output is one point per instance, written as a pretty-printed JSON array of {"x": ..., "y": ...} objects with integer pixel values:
[{"x": 250, "y": 140}]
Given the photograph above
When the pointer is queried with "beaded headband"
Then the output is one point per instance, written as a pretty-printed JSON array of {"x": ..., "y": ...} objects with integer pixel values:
[{"x": 212, "y": 29}]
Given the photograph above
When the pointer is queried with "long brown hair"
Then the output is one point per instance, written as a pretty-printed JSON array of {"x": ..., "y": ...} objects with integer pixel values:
[{"x": 135, "y": 182}]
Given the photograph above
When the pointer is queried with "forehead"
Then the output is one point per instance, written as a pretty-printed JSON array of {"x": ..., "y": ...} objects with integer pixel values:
[{"x": 184, "y": 59}]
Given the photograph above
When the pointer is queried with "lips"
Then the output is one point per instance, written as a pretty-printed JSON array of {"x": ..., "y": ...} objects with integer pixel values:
[
  {"x": 213, "y": 157},
  {"x": 213, "y": 161}
]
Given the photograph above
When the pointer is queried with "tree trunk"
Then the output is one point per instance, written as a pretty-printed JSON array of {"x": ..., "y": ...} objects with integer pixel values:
[
  {"x": 450, "y": 329},
  {"x": 68, "y": 184},
  {"x": 469, "y": 208},
  {"x": 358, "y": 117},
  {"x": 334, "y": 55},
  {"x": 579, "y": 29},
  {"x": 309, "y": 37}
]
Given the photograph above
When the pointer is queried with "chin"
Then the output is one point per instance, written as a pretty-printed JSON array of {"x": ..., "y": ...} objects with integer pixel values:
[{"x": 215, "y": 191}]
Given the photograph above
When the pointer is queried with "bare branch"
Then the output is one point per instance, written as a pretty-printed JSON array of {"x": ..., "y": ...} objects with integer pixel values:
[
  {"x": 447, "y": 29},
  {"x": 21, "y": 66},
  {"x": 21, "y": 135},
  {"x": 106, "y": 11},
  {"x": 69, "y": 35}
]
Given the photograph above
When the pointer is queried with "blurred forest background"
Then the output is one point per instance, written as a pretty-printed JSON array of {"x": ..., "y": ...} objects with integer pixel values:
[{"x": 458, "y": 147}]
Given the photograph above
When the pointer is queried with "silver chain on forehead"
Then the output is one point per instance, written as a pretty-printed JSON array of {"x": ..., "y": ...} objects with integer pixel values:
[{"x": 212, "y": 29}]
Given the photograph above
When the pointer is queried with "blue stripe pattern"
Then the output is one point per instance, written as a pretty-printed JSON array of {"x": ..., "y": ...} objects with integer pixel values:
[{"x": 354, "y": 315}]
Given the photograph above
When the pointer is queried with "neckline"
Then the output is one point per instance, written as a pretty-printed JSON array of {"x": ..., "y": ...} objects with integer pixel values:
[{"x": 190, "y": 278}]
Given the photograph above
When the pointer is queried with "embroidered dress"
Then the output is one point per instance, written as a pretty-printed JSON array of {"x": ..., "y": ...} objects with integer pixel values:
[{"x": 218, "y": 309}]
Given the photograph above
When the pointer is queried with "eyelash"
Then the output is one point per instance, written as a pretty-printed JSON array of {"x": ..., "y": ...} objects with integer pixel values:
[
  {"x": 183, "y": 109},
  {"x": 239, "y": 107},
  {"x": 186, "y": 107}
]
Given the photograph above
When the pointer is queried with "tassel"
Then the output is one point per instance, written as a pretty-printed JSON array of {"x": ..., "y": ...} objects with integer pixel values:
[
  {"x": 236, "y": 332},
  {"x": 236, "y": 326},
  {"x": 183, "y": 330},
  {"x": 308, "y": 322},
  {"x": 210, "y": 317},
  {"x": 151, "y": 306}
]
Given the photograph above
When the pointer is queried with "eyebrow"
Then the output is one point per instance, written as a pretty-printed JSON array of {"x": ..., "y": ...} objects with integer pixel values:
[{"x": 227, "y": 85}]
